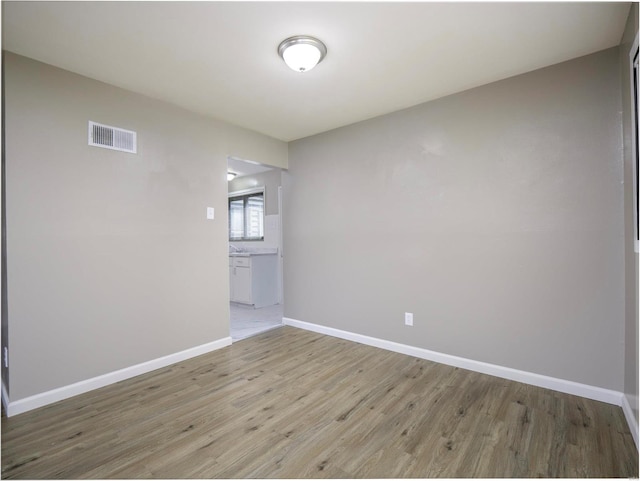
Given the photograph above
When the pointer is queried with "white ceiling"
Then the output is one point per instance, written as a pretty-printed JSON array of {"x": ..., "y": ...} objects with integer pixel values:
[{"x": 220, "y": 59}]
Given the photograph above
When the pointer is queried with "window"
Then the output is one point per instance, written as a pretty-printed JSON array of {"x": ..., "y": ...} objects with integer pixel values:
[{"x": 246, "y": 216}]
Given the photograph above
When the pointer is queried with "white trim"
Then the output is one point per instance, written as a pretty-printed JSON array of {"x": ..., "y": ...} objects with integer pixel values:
[
  {"x": 631, "y": 419},
  {"x": 569, "y": 387},
  {"x": 5, "y": 398},
  {"x": 64, "y": 392}
]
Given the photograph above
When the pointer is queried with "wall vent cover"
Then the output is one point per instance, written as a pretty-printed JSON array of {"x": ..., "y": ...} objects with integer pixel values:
[{"x": 114, "y": 138}]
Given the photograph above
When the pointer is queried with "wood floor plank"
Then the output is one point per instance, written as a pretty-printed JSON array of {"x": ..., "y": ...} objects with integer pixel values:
[{"x": 295, "y": 404}]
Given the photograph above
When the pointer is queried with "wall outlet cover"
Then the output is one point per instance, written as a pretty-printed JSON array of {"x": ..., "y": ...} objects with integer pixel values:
[{"x": 408, "y": 318}]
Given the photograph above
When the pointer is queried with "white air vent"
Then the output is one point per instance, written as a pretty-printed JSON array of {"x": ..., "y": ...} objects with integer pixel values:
[{"x": 112, "y": 138}]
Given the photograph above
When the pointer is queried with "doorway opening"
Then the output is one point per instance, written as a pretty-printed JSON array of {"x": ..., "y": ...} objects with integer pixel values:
[{"x": 255, "y": 248}]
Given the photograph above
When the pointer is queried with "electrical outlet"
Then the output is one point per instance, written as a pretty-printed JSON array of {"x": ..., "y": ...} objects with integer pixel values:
[{"x": 408, "y": 318}]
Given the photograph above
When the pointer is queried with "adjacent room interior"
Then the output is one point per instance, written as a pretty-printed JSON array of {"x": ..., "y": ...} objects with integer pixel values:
[
  {"x": 255, "y": 248},
  {"x": 412, "y": 253}
]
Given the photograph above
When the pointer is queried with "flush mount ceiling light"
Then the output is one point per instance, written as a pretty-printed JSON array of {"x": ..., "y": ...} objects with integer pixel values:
[
  {"x": 230, "y": 176},
  {"x": 301, "y": 53}
]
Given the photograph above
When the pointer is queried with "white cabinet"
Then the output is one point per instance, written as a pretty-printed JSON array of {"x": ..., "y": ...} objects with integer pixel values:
[
  {"x": 242, "y": 281},
  {"x": 253, "y": 279}
]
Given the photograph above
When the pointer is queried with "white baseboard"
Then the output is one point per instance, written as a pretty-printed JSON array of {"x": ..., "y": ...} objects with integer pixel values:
[
  {"x": 561, "y": 385},
  {"x": 631, "y": 419},
  {"x": 38, "y": 400}
]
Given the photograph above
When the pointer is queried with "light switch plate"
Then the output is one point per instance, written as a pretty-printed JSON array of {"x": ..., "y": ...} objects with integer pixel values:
[
  {"x": 210, "y": 213},
  {"x": 408, "y": 318}
]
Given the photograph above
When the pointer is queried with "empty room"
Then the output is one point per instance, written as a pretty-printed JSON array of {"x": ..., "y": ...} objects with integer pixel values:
[{"x": 435, "y": 204}]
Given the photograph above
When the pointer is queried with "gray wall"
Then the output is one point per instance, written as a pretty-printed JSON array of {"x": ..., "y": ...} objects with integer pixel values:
[
  {"x": 631, "y": 258},
  {"x": 494, "y": 215},
  {"x": 111, "y": 261}
]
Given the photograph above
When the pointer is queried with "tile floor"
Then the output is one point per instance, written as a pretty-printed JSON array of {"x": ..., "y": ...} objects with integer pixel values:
[{"x": 247, "y": 322}]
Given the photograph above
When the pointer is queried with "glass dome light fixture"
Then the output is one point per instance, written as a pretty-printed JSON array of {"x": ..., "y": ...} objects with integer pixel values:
[
  {"x": 301, "y": 53},
  {"x": 230, "y": 176}
]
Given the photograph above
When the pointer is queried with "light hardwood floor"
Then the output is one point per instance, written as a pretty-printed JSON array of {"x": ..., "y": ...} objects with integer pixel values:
[{"x": 294, "y": 404}]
